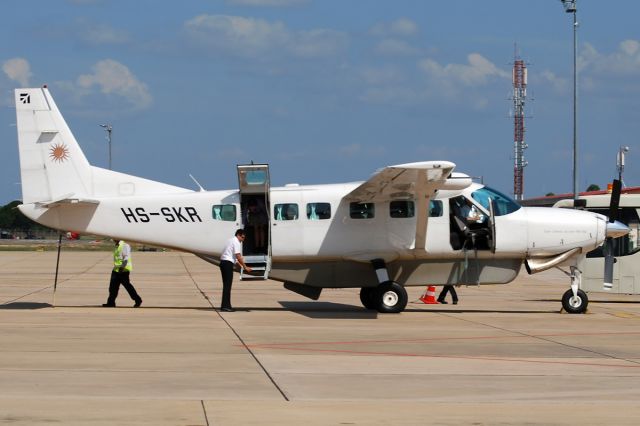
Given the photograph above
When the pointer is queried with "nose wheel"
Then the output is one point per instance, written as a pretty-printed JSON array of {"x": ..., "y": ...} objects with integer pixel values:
[{"x": 575, "y": 304}]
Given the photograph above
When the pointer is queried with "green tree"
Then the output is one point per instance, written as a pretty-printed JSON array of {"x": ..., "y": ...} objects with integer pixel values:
[
  {"x": 12, "y": 219},
  {"x": 593, "y": 187}
]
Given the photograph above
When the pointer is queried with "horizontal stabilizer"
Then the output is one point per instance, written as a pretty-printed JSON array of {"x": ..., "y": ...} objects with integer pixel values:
[{"x": 67, "y": 202}]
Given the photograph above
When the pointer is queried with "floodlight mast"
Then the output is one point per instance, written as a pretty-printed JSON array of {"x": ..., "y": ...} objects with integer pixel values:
[
  {"x": 620, "y": 161},
  {"x": 108, "y": 128},
  {"x": 570, "y": 7}
]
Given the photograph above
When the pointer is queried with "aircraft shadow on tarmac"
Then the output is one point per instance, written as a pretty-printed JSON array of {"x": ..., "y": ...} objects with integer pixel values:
[
  {"x": 331, "y": 310},
  {"x": 25, "y": 305},
  {"x": 311, "y": 309}
]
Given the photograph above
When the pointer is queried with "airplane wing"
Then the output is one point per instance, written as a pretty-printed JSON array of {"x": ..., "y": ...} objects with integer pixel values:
[{"x": 411, "y": 181}]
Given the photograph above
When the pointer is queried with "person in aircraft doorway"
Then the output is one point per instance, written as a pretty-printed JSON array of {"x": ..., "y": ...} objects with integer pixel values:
[
  {"x": 443, "y": 294},
  {"x": 231, "y": 254},
  {"x": 122, "y": 267}
]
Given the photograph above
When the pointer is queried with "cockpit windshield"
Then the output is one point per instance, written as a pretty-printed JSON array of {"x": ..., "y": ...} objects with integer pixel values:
[{"x": 502, "y": 204}]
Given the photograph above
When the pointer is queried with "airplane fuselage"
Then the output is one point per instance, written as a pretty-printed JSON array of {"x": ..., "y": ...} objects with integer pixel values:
[{"x": 336, "y": 251}]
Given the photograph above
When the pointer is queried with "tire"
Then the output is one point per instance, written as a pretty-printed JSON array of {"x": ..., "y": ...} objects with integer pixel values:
[
  {"x": 577, "y": 305},
  {"x": 391, "y": 298},
  {"x": 368, "y": 297}
]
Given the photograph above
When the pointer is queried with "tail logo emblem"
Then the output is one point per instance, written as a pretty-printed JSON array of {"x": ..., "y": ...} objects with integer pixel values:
[
  {"x": 25, "y": 98},
  {"x": 59, "y": 153}
]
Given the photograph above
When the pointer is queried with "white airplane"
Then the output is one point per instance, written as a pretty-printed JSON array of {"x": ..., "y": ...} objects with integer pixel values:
[{"x": 407, "y": 225}]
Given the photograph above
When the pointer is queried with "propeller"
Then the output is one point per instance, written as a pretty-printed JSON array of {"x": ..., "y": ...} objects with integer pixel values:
[{"x": 609, "y": 258}]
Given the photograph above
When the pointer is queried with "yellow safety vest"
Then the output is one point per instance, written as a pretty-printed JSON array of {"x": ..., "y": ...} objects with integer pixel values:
[{"x": 117, "y": 258}]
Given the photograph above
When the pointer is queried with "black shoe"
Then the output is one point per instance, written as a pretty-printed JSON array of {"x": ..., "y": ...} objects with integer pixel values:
[
  {"x": 444, "y": 302},
  {"x": 455, "y": 302},
  {"x": 108, "y": 305},
  {"x": 229, "y": 309},
  {"x": 138, "y": 303}
]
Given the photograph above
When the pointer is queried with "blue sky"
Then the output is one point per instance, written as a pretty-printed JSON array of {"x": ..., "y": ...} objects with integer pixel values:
[{"x": 327, "y": 91}]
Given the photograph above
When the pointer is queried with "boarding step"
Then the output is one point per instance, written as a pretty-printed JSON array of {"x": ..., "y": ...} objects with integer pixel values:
[{"x": 260, "y": 267}]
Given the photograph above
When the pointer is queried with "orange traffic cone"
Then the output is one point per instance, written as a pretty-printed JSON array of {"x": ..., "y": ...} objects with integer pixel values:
[{"x": 429, "y": 296}]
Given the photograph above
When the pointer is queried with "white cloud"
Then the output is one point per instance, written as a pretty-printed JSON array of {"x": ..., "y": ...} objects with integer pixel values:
[
  {"x": 477, "y": 72},
  {"x": 18, "y": 69},
  {"x": 558, "y": 84},
  {"x": 395, "y": 47},
  {"x": 254, "y": 37},
  {"x": 114, "y": 78},
  {"x": 401, "y": 27},
  {"x": 236, "y": 33},
  {"x": 444, "y": 84},
  {"x": 624, "y": 61}
]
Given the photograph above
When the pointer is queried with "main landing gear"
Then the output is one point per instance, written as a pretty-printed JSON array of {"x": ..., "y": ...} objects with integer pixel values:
[{"x": 388, "y": 296}]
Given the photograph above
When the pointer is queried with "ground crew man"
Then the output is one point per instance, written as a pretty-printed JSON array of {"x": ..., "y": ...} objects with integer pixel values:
[{"x": 120, "y": 275}]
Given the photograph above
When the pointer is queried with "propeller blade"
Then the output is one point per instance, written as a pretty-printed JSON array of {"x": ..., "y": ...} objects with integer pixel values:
[
  {"x": 609, "y": 260},
  {"x": 615, "y": 200},
  {"x": 615, "y": 229}
]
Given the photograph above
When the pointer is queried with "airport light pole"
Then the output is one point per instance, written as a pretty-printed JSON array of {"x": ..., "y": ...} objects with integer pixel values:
[
  {"x": 570, "y": 7},
  {"x": 620, "y": 161},
  {"x": 108, "y": 128}
]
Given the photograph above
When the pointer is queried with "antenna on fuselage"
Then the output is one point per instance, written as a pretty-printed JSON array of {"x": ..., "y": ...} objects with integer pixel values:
[{"x": 200, "y": 188}]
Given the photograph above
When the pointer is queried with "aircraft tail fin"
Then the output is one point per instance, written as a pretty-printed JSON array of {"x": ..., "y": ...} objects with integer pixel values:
[
  {"x": 53, "y": 168},
  {"x": 52, "y": 165}
]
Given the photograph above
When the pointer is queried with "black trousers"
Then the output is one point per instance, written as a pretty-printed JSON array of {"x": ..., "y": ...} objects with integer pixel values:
[
  {"x": 118, "y": 278},
  {"x": 226, "y": 269},
  {"x": 445, "y": 290}
]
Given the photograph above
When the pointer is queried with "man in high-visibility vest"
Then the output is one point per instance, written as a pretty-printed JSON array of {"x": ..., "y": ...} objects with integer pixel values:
[{"x": 120, "y": 275}]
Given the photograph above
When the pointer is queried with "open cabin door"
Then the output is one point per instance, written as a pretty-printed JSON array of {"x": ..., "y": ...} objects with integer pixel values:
[{"x": 254, "y": 187}]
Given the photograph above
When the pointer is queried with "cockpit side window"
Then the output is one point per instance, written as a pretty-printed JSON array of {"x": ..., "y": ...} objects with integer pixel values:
[{"x": 502, "y": 204}]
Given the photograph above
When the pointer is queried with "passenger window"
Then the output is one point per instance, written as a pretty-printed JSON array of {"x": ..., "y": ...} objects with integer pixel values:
[
  {"x": 401, "y": 209},
  {"x": 285, "y": 211},
  {"x": 362, "y": 210},
  {"x": 225, "y": 212},
  {"x": 435, "y": 208},
  {"x": 318, "y": 211}
]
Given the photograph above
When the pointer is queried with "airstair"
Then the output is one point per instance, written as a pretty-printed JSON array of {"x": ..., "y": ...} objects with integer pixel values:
[{"x": 260, "y": 266}]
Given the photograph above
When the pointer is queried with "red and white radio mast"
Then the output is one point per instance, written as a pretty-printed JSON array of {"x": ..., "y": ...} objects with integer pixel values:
[{"x": 519, "y": 97}]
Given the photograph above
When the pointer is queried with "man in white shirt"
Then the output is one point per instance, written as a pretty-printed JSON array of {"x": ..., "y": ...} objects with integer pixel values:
[{"x": 231, "y": 254}]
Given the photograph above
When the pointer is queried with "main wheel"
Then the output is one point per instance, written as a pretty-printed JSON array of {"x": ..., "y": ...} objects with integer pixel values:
[
  {"x": 368, "y": 297},
  {"x": 392, "y": 297},
  {"x": 577, "y": 304}
]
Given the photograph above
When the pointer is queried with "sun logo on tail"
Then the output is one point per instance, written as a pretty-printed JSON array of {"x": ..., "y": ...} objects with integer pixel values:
[{"x": 59, "y": 153}]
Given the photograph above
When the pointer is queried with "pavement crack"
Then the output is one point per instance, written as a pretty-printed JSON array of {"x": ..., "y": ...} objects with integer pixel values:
[
  {"x": 72, "y": 276},
  {"x": 233, "y": 330},
  {"x": 204, "y": 411}
]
